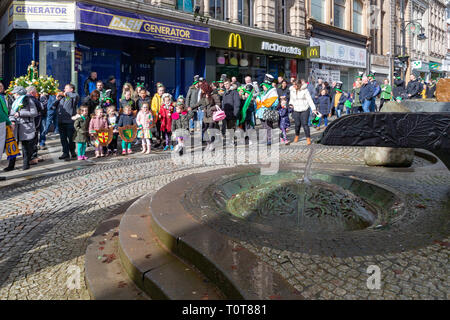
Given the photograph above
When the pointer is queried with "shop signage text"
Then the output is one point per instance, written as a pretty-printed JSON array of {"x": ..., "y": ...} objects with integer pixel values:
[
  {"x": 109, "y": 21},
  {"x": 339, "y": 54},
  {"x": 42, "y": 14},
  {"x": 238, "y": 41},
  {"x": 279, "y": 48}
]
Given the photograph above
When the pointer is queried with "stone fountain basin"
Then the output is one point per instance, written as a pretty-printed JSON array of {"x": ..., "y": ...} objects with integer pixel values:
[{"x": 333, "y": 203}]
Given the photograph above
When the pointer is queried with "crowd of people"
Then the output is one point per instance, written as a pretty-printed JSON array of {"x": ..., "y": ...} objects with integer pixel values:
[{"x": 225, "y": 105}]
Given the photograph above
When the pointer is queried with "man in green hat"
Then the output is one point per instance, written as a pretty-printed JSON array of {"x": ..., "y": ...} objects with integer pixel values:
[{"x": 192, "y": 97}]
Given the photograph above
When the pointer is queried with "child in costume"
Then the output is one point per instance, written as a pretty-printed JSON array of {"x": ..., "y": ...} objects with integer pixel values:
[
  {"x": 284, "y": 123},
  {"x": 113, "y": 119},
  {"x": 81, "y": 136},
  {"x": 180, "y": 120},
  {"x": 126, "y": 119},
  {"x": 144, "y": 120},
  {"x": 165, "y": 116},
  {"x": 98, "y": 122}
]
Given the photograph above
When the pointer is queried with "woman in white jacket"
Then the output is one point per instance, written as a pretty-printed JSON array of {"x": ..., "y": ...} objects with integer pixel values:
[{"x": 300, "y": 100}]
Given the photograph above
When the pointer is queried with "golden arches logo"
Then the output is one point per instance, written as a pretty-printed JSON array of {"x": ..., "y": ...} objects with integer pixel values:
[
  {"x": 313, "y": 52},
  {"x": 235, "y": 41}
]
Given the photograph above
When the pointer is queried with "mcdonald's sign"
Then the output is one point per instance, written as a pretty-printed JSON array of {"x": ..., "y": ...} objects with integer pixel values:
[
  {"x": 313, "y": 52},
  {"x": 235, "y": 41}
]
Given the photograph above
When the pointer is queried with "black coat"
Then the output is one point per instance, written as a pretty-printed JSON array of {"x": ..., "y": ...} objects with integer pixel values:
[
  {"x": 231, "y": 104},
  {"x": 431, "y": 89},
  {"x": 284, "y": 92},
  {"x": 399, "y": 88},
  {"x": 91, "y": 104},
  {"x": 414, "y": 88}
]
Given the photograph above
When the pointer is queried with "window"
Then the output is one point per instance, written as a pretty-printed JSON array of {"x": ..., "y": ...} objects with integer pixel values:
[
  {"x": 280, "y": 17},
  {"x": 185, "y": 5},
  {"x": 357, "y": 16},
  {"x": 339, "y": 13},
  {"x": 245, "y": 12},
  {"x": 216, "y": 9},
  {"x": 318, "y": 10}
]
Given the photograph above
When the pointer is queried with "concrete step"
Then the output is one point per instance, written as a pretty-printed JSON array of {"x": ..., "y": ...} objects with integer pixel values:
[
  {"x": 154, "y": 269},
  {"x": 104, "y": 273}
]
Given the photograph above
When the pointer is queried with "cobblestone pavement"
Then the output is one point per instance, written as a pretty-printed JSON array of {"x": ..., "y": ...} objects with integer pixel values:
[{"x": 48, "y": 214}]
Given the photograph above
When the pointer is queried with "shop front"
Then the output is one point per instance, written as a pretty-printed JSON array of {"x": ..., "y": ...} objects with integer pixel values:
[
  {"x": 239, "y": 55},
  {"x": 131, "y": 47},
  {"x": 338, "y": 62}
]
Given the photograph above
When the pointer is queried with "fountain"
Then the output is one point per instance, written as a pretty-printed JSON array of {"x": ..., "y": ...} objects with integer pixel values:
[{"x": 240, "y": 229}]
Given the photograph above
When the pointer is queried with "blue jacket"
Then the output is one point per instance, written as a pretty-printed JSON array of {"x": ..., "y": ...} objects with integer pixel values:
[
  {"x": 324, "y": 104},
  {"x": 284, "y": 117},
  {"x": 126, "y": 120},
  {"x": 366, "y": 92}
]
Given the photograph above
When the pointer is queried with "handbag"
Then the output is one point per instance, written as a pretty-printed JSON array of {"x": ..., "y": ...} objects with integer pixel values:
[
  {"x": 270, "y": 115},
  {"x": 219, "y": 114}
]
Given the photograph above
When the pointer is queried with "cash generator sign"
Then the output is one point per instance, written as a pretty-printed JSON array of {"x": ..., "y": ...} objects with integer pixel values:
[
  {"x": 41, "y": 11},
  {"x": 114, "y": 22}
]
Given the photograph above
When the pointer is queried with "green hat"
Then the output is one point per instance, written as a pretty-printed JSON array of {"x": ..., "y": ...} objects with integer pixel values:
[
  {"x": 315, "y": 121},
  {"x": 340, "y": 90},
  {"x": 348, "y": 104},
  {"x": 399, "y": 98},
  {"x": 267, "y": 85},
  {"x": 358, "y": 78},
  {"x": 195, "y": 82},
  {"x": 98, "y": 107}
]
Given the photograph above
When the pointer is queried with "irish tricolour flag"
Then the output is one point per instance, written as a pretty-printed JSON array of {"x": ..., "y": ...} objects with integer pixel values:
[{"x": 269, "y": 99}]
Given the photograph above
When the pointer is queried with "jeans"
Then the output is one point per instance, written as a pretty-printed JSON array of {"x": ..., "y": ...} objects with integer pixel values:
[
  {"x": 268, "y": 125},
  {"x": 325, "y": 120},
  {"x": 46, "y": 123},
  {"x": 366, "y": 105},
  {"x": 373, "y": 106},
  {"x": 41, "y": 131},
  {"x": 338, "y": 112},
  {"x": 192, "y": 121},
  {"x": 301, "y": 120},
  {"x": 310, "y": 118},
  {"x": 66, "y": 132}
]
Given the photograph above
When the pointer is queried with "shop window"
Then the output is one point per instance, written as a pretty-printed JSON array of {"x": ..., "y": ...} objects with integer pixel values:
[
  {"x": 239, "y": 64},
  {"x": 357, "y": 16},
  {"x": 55, "y": 60},
  {"x": 216, "y": 9},
  {"x": 185, "y": 5},
  {"x": 339, "y": 13},
  {"x": 245, "y": 12},
  {"x": 318, "y": 10}
]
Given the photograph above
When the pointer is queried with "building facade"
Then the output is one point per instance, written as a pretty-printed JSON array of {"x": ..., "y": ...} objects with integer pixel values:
[
  {"x": 427, "y": 47},
  {"x": 154, "y": 40},
  {"x": 341, "y": 29}
]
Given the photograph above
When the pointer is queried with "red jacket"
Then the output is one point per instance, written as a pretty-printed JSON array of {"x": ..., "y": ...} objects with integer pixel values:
[{"x": 166, "y": 117}]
